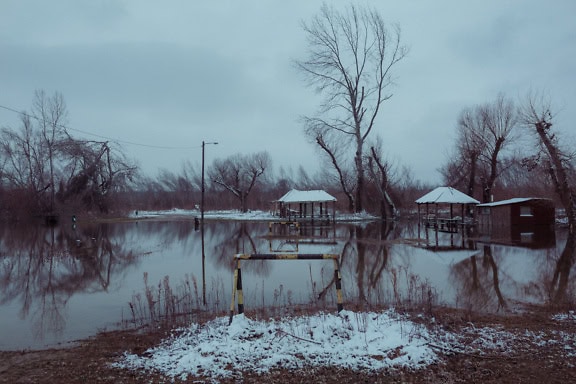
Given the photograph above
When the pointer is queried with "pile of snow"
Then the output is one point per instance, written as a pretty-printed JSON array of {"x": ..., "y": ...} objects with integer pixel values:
[
  {"x": 366, "y": 342},
  {"x": 359, "y": 341}
]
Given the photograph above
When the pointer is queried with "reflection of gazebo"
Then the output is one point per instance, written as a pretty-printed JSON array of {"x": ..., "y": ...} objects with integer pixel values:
[
  {"x": 446, "y": 196},
  {"x": 306, "y": 206}
]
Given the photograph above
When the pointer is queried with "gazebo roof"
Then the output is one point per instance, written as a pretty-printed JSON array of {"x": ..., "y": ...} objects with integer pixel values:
[
  {"x": 446, "y": 195},
  {"x": 313, "y": 196}
]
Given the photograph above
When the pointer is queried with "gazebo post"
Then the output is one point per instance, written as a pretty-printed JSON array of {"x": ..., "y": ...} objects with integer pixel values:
[{"x": 334, "y": 211}]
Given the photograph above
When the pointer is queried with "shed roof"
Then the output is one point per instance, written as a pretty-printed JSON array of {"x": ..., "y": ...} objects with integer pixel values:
[
  {"x": 515, "y": 200},
  {"x": 315, "y": 196},
  {"x": 446, "y": 195}
]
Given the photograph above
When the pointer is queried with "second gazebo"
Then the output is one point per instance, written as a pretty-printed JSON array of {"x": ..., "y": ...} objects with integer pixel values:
[{"x": 448, "y": 197}]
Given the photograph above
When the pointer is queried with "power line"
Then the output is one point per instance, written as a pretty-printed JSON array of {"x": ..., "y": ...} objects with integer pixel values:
[{"x": 99, "y": 136}]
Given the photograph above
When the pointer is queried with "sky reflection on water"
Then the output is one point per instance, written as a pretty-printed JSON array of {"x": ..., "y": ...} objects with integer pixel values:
[{"x": 63, "y": 283}]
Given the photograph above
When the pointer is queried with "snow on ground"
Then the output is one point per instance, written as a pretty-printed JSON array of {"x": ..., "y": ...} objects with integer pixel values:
[
  {"x": 236, "y": 215},
  {"x": 358, "y": 341}
]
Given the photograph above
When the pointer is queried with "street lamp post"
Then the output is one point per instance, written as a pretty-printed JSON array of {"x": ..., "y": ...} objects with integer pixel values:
[
  {"x": 202, "y": 227},
  {"x": 202, "y": 187}
]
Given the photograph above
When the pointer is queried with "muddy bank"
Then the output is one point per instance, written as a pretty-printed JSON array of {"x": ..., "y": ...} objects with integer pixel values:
[{"x": 89, "y": 360}]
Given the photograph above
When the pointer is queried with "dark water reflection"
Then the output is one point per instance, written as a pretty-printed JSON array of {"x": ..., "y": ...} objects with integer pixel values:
[{"x": 65, "y": 283}]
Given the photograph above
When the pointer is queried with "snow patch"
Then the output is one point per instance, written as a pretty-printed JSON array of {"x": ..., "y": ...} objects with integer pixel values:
[{"x": 359, "y": 341}]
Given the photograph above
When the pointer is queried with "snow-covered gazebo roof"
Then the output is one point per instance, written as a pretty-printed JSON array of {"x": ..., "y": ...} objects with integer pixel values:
[
  {"x": 314, "y": 196},
  {"x": 446, "y": 195}
]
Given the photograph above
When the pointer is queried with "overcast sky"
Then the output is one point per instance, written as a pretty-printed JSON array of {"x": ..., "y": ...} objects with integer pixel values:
[{"x": 173, "y": 73}]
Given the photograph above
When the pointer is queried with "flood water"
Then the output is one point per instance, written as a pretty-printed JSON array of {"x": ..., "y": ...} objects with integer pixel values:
[{"x": 65, "y": 283}]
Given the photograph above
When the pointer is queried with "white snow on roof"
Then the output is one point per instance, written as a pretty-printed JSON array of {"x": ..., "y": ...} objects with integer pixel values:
[
  {"x": 296, "y": 196},
  {"x": 446, "y": 195},
  {"x": 515, "y": 200}
]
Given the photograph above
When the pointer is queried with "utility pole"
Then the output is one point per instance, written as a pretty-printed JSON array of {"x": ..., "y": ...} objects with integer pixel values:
[
  {"x": 203, "y": 185},
  {"x": 202, "y": 226}
]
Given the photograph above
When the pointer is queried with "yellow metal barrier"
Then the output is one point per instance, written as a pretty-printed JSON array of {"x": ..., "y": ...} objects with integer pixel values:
[{"x": 237, "y": 283}]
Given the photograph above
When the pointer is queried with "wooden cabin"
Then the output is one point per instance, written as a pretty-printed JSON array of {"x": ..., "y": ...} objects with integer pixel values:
[
  {"x": 517, "y": 211},
  {"x": 519, "y": 221},
  {"x": 306, "y": 206}
]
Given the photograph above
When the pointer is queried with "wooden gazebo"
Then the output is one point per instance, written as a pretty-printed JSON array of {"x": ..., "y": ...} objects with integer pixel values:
[
  {"x": 446, "y": 196},
  {"x": 312, "y": 205}
]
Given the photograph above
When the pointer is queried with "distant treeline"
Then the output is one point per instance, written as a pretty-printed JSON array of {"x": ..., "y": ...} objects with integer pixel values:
[{"x": 45, "y": 171}]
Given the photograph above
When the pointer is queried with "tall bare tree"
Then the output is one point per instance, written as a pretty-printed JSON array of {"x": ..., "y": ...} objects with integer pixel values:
[
  {"x": 51, "y": 114},
  {"x": 470, "y": 146},
  {"x": 350, "y": 61},
  {"x": 238, "y": 174},
  {"x": 556, "y": 158},
  {"x": 483, "y": 134},
  {"x": 499, "y": 120}
]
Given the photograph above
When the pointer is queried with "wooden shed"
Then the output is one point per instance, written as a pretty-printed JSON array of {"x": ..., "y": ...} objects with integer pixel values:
[
  {"x": 520, "y": 221},
  {"x": 518, "y": 211},
  {"x": 311, "y": 205}
]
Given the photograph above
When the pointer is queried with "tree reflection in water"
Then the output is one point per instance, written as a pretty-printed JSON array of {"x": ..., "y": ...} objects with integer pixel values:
[
  {"x": 43, "y": 267},
  {"x": 479, "y": 281},
  {"x": 366, "y": 252},
  {"x": 559, "y": 286},
  {"x": 501, "y": 274},
  {"x": 382, "y": 264}
]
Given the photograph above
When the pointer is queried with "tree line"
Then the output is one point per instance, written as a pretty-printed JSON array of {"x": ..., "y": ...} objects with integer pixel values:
[
  {"x": 505, "y": 149},
  {"x": 44, "y": 170},
  {"x": 501, "y": 149}
]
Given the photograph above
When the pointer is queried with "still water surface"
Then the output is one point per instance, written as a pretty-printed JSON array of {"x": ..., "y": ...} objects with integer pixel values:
[{"x": 60, "y": 284}]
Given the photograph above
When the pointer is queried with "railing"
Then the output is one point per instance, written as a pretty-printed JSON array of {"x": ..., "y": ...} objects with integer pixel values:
[{"x": 443, "y": 223}]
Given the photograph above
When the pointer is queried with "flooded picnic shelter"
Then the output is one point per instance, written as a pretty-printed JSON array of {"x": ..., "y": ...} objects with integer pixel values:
[
  {"x": 306, "y": 206},
  {"x": 445, "y": 209}
]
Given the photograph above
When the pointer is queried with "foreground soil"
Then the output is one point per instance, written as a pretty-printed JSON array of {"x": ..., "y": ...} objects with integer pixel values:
[{"x": 89, "y": 361}]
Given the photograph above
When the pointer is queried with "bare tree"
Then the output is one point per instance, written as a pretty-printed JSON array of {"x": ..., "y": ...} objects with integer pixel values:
[
  {"x": 21, "y": 162},
  {"x": 380, "y": 171},
  {"x": 95, "y": 173},
  {"x": 41, "y": 156},
  {"x": 344, "y": 178},
  {"x": 238, "y": 174},
  {"x": 483, "y": 134},
  {"x": 499, "y": 120},
  {"x": 555, "y": 157},
  {"x": 181, "y": 186},
  {"x": 470, "y": 145},
  {"x": 51, "y": 115},
  {"x": 351, "y": 55}
]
